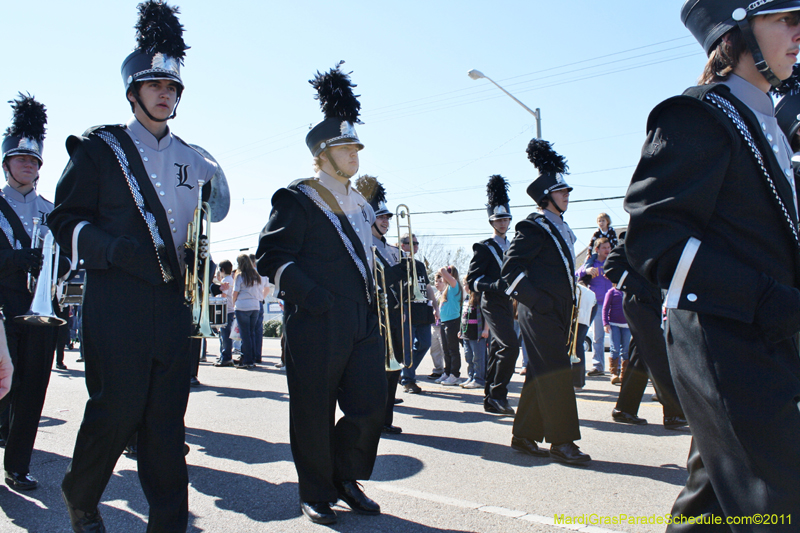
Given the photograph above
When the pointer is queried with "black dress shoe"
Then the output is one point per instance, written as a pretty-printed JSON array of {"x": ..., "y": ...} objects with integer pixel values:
[
  {"x": 350, "y": 492},
  {"x": 319, "y": 513},
  {"x": 412, "y": 388},
  {"x": 19, "y": 481},
  {"x": 131, "y": 451},
  {"x": 627, "y": 418},
  {"x": 435, "y": 376},
  {"x": 675, "y": 422},
  {"x": 568, "y": 453},
  {"x": 501, "y": 406},
  {"x": 398, "y": 401},
  {"x": 528, "y": 446},
  {"x": 194, "y": 382},
  {"x": 392, "y": 430},
  {"x": 489, "y": 409},
  {"x": 61, "y": 366},
  {"x": 83, "y": 522}
]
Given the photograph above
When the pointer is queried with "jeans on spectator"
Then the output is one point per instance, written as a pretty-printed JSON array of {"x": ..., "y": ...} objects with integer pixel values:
[
  {"x": 260, "y": 339},
  {"x": 599, "y": 338},
  {"x": 451, "y": 347},
  {"x": 620, "y": 340},
  {"x": 415, "y": 350},
  {"x": 225, "y": 342},
  {"x": 248, "y": 328},
  {"x": 475, "y": 354}
]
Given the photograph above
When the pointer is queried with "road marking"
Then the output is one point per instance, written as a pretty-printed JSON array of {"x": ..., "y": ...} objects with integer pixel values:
[{"x": 501, "y": 511}]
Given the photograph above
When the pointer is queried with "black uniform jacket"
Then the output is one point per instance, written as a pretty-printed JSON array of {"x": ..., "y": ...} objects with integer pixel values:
[
  {"x": 484, "y": 274},
  {"x": 697, "y": 189},
  {"x": 15, "y": 298},
  {"x": 619, "y": 271},
  {"x": 299, "y": 232},
  {"x": 100, "y": 195},
  {"x": 534, "y": 268}
]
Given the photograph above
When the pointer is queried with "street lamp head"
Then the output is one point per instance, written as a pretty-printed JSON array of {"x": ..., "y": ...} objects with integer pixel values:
[{"x": 475, "y": 74}]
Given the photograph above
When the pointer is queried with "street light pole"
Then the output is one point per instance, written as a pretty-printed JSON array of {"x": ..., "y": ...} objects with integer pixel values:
[{"x": 477, "y": 74}]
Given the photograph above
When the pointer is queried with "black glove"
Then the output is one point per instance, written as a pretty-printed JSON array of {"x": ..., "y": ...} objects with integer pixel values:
[
  {"x": 318, "y": 300},
  {"x": 216, "y": 290},
  {"x": 28, "y": 259},
  {"x": 500, "y": 285},
  {"x": 778, "y": 311},
  {"x": 636, "y": 287},
  {"x": 121, "y": 251}
]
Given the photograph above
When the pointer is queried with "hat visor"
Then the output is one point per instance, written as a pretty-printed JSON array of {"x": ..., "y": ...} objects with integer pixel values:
[
  {"x": 561, "y": 187},
  {"x": 499, "y": 217},
  {"x": 159, "y": 75},
  {"x": 785, "y": 8},
  {"x": 23, "y": 151},
  {"x": 345, "y": 142}
]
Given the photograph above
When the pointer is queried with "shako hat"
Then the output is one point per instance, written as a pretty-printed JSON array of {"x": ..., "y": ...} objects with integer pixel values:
[
  {"x": 551, "y": 166},
  {"x": 372, "y": 190},
  {"x": 341, "y": 109},
  {"x": 787, "y": 110},
  {"x": 497, "y": 194},
  {"x": 159, "y": 46},
  {"x": 709, "y": 20},
  {"x": 25, "y": 136}
]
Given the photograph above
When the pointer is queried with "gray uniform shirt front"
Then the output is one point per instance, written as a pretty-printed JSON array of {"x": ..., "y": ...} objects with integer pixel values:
[
  {"x": 563, "y": 229},
  {"x": 357, "y": 210},
  {"x": 174, "y": 169},
  {"x": 387, "y": 251},
  {"x": 761, "y": 104},
  {"x": 27, "y": 207}
]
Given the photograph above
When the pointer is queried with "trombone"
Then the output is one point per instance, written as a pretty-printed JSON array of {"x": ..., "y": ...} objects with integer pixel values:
[
  {"x": 43, "y": 287},
  {"x": 412, "y": 293},
  {"x": 572, "y": 340},
  {"x": 381, "y": 289},
  {"x": 195, "y": 288}
]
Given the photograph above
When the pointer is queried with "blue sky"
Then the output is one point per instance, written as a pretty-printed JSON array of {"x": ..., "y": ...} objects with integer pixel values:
[{"x": 432, "y": 135}]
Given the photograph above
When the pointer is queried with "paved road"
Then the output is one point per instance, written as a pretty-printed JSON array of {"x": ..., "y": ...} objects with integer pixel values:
[{"x": 451, "y": 470}]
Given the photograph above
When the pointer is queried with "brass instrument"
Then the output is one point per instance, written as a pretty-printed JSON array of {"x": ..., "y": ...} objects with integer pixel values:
[
  {"x": 381, "y": 294},
  {"x": 412, "y": 292},
  {"x": 196, "y": 288},
  {"x": 572, "y": 340},
  {"x": 43, "y": 288}
]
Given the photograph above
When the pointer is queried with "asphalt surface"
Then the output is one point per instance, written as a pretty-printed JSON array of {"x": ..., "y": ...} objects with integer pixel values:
[{"x": 452, "y": 470}]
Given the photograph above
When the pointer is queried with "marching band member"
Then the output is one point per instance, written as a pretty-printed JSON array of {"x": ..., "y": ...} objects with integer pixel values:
[
  {"x": 123, "y": 206},
  {"x": 539, "y": 271},
  {"x": 713, "y": 209},
  {"x": 317, "y": 247},
  {"x": 484, "y": 276},
  {"x": 373, "y": 191},
  {"x": 31, "y": 347}
]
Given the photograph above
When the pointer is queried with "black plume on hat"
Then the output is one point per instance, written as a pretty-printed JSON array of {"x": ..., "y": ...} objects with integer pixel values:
[
  {"x": 158, "y": 30},
  {"x": 497, "y": 194},
  {"x": 29, "y": 120},
  {"x": 543, "y": 157},
  {"x": 370, "y": 188},
  {"x": 335, "y": 95}
]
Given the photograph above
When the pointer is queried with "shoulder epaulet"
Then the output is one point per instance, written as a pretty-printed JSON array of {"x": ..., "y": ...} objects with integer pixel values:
[{"x": 74, "y": 140}]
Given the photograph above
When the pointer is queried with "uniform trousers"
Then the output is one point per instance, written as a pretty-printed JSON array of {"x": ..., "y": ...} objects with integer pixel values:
[
  {"x": 503, "y": 347},
  {"x": 648, "y": 353},
  {"x": 547, "y": 408},
  {"x": 137, "y": 375},
  {"x": 332, "y": 357},
  {"x": 31, "y": 349},
  {"x": 739, "y": 393}
]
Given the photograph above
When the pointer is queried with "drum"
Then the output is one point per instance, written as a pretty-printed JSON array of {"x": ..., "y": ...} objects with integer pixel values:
[
  {"x": 72, "y": 293},
  {"x": 218, "y": 311}
]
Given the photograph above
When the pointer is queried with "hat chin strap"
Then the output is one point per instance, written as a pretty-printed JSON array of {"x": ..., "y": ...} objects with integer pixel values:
[
  {"x": 552, "y": 201},
  {"x": 334, "y": 165},
  {"x": 151, "y": 117},
  {"x": 755, "y": 51}
]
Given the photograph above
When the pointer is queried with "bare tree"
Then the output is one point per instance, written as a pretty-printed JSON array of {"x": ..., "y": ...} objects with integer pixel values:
[{"x": 436, "y": 254}]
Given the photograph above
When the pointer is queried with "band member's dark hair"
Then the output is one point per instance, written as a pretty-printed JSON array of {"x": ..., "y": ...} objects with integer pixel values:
[
  {"x": 226, "y": 267},
  {"x": 724, "y": 58}
]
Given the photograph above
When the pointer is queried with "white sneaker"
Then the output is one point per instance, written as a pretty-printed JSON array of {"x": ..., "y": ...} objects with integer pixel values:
[
  {"x": 466, "y": 383},
  {"x": 441, "y": 378},
  {"x": 451, "y": 380},
  {"x": 471, "y": 385}
]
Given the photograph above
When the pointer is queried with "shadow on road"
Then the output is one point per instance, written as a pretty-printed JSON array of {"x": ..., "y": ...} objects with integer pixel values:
[{"x": 248, "y": 450}]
